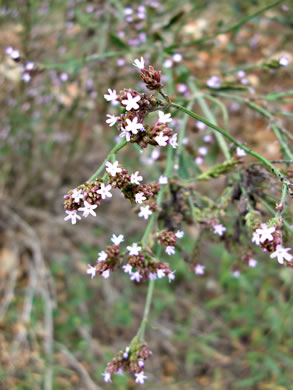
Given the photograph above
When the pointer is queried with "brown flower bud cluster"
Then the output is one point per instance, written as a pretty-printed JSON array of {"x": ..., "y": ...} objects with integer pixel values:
[
  {"x": 148, "y": 268},
  {"x": 88, "y": 193},
  {"x": 152, "y": 78},
  {"x": 111, "y": 262},
  {"x": 122, "y": 180},
  {"x": 131, "y": 360},
  {"x": 166, "y": 238}
]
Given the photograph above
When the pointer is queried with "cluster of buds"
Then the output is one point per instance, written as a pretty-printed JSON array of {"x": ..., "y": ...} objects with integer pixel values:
[
  {"x": 269, "y": 238},
  {"x": 152, "y": 78},
  {"x": 107, "y": 262},
  {"x": 166, "y": 238},
  {"x": 130, "y": 185},
  {"x": 131, "y": 360}
]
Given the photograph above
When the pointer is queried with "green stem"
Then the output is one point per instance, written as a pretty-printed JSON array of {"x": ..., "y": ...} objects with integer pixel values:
[
  {"x": 141, "y": 330},
  {"x": 276, "y": 172},
  {"x": 272, "y": 211},
  {"x": 116, "y": 148},
  {"x": 232, "y": 28},
  {"x": 282, "y": 202}
]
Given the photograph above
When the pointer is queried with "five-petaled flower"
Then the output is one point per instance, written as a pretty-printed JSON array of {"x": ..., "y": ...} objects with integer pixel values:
[
  {"x": 282, "y": 254},
  {"x": 170, "y": 250},
  {"x": 135, "y": 178},
  {"x": 104, "y": 191},
  {"x": 134, "y": 249},
  {"x": 265, "y": 233},
  {"x": 173, "y": 141},
  {"x": 107, "y": 376},
  {"x": 117, "y": 239},
  {"x": 77, "y": 195},
  {"x": 113, "y": 169},
  {"x": 139, "y": 63},
  {"x": 106, "y": 274},
  {"x": 219, "y": 229},
  {"x": 72, "y": 215},
  {"x": 88, "y": 209},
  {"x": 136, "y": 276},
  {"x": 91, "y": 271},
  {"x": 133, "y": 126},
  {"x": 140, "y": 377},
  {"x": 131, "y": 102},
  {"x": 179, "y": 234},
  {"x": 127, "y": 269},
  {"x": 161, "y": 139},
  {"x": 161, "y": 273},
  {"x": 164, "y": 118},
  {"x": 112, "y": 119},
  {"x": 139, "y": 197},
  {"x": 102, "y": 256},
  {"x": 112, "y": 95},
  {"x": 171, "y": 276},
  {"x": 145, "y": 212},
  {"x": 199, "y": 269}
]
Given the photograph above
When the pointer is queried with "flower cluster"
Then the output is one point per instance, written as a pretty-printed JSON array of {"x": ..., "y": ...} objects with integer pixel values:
[
  {"x": 137, "y": 106},
  {"x": 28, "y": 69},
  {"x": 269, "y": 238},
  {"x": 131, "y": 360}
]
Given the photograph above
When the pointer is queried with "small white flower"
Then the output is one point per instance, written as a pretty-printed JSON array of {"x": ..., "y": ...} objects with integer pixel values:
[
  {"x": 125, "y": 134},
  {"x": 139, "y": 197},
  {"x": 179, "y": 234},
  {"x": 113, "y": 169},
  {"x": 198, "y": 160},
  {"x": 173, "y": 141},
  {"x": 140, "y": 377},
  {"x": 203, "y": 151},
  {"x": 88, "y": 209},
  {"x": 155, "y": 154},
  {"x": 171, "y": 276},
  {"x": 135, "y": 178},
  {"x": 131, "y": 102},
  {"x": 145, "y": 212},
  {"x": 91, "y": 271},
  {"x": 207, "y": 138},
  {"x": 177, "y": 57},
  {"x": 240, "y": 152},
  {"x": 161, "y": 273},
  {"x": 161, "y": 139},
  {"x": 152, "y": 276},
  {"x": 72, "y": 215},
  {"x": 134, "y": 249},
  {"x": 64, "y": 77},
  {"x": 255, "y": 238},
  {"x": 284, "y": 61},
  {"x": 200, "y": 125},
  {"x": 236, "y": 274},
  {"x": 199, "y": 269},
  {"x": 117, "y": 239},
  {"x": 29, "y": 66},
  {"x": 170, "y": 250},
  {"x": 133, "y": 126},
  {"x": 214, "y": 82},
  {"x": 168, "y": 63},
  {"x": 104, "y": 191},
  {"x": 281, "y": 254},
  {"x": 219, "y": 229},
  {"x": 107, "y": 377},
  {"x": 139, "y": 63},
  {"x": 26, "y": 77},
  {"x": 119, "y": 372},
  {"x": 136, "y": 276},
  {"x": 126, "y": 353},
  {"x": 112, "y": 95},
  {"x": 106, "y": 274},
  {"x": 265, "y": 232},
  {"x": 140, "y": 363},
  {"x": 164, "y": 118},
  {"x": 163, "y": 180},
  {"x": 112, "y": 119},
  {"x": 14, "y": 54},
  {"x": 252, "y": 263},
  {"x": 77, "y": 195},
  {"x": 9, "y": 50},
  {"x": 102, "y": 256},
  {"x": 127, "y": 269},
  {"x": 241, "y": 74}
]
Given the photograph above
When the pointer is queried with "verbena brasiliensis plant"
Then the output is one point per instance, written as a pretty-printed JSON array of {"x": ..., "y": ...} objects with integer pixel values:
[{"x": 173, "y": 202}]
